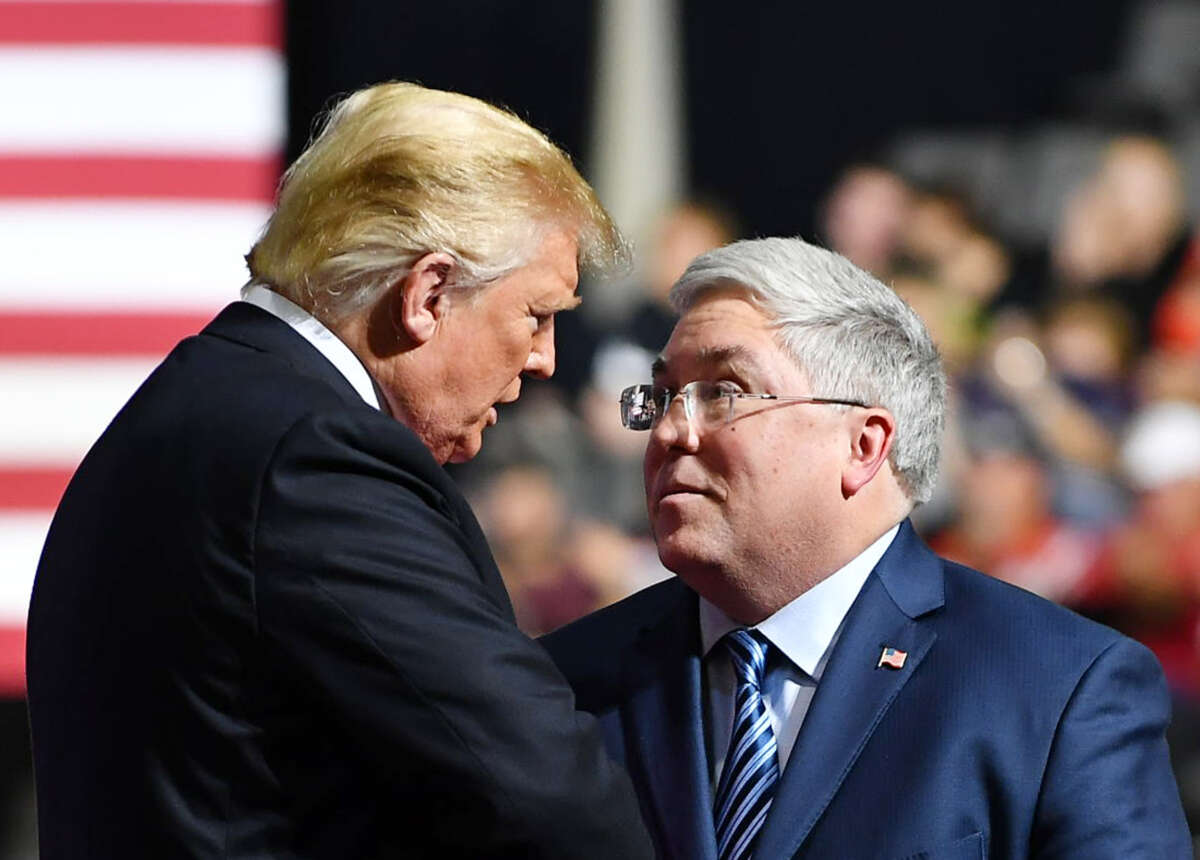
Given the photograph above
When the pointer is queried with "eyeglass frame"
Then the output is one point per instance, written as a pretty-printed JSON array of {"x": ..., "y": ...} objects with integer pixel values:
[{"x": 626, "y": 401}]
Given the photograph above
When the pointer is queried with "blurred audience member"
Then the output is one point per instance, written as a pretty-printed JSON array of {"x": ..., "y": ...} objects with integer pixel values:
[
  {"x": 1150, "y": 568},
  {"x": 1176, "y": 325},
  {"x": 1171, "y": 371},
  {"x": 525, "y": 518},
  {"x": 1124, "y": 231},
  {"x": 556, "y": 567},
  {"x": 682, "y": 233},
  {"x": 611, "y": 462},
  {"x": 1006, "y": 525},
  {"x": 1169, "y": 375},
  {"x": 1015, "y": 373},
  {"x": 953, "y": 318},
  {"x": 863, "y": 216},
  {"x": 614, "y": 563},
  {"x": 1089, "y": 348},
  {"x": 942, "y": 235}
]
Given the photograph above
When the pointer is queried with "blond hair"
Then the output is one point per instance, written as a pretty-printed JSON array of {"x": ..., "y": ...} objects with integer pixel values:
[{"x": 399, "y": 171}]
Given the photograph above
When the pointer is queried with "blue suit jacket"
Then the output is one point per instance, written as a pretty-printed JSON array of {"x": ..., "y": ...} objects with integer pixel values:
[{"x": 1014, "y": 729}]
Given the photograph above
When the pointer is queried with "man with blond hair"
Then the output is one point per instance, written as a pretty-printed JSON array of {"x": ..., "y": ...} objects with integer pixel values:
[{"x": 266, "y": 623}]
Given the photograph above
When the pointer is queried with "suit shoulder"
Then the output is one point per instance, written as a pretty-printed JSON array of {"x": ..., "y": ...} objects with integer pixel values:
[
  {"x": 625, "y": 617},
  {"x": 236, "y": 412},
  {"x": 218, "y": 391},
  {"x": 590, "y": 649},
  {"x": 218, "y": 386},
  {"x": 990, "y": 610}
]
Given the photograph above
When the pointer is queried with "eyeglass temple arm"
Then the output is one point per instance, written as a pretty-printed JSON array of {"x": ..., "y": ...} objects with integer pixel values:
[{"x": 800, "y": 398}]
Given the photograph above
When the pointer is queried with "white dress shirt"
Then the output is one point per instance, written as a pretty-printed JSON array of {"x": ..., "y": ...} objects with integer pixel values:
[
  {"x": 802, "y": 634},
  {"x": 312, "y": 330}
]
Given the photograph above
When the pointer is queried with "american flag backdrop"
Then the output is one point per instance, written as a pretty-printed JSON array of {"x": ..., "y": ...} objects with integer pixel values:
[{"x": 140, "y": 144}]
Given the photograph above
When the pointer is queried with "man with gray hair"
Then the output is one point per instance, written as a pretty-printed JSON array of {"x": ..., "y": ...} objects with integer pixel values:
[
  {"x": 266, "y": 623},
  {"x": 816, "y": 682}
]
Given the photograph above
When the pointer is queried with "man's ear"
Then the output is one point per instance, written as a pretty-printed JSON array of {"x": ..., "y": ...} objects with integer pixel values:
[
  {"x": 872, "y": 433},
  {"x": 419, "y": 300}
]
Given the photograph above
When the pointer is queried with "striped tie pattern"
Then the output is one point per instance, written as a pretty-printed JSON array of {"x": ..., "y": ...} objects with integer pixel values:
[{"x": 751, "y": 770}]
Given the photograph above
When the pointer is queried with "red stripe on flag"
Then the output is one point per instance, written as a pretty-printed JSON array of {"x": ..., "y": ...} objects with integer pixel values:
[
  {"x": 38, "y": 176},
  {"x": 12, "y": 662},
  {"x": 216, "y": 24},
  {"x": 32, "y": 489},
  {"x": 100, "y": 333}
]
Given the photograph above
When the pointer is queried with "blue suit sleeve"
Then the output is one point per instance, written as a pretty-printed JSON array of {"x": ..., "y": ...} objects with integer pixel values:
[{"x": 1108, "y": 790}]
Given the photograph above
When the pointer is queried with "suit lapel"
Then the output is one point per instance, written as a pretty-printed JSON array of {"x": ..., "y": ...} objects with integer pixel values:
[
  {"x": 666, "y": 727},
  {"x": 854, "y": 694}
]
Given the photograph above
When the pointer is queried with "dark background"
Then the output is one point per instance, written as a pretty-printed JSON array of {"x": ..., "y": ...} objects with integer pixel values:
[{"x": 780, "y": 95}]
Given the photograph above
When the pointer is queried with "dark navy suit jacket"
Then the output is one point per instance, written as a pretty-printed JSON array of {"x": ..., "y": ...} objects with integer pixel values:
[
  {"x": 1014, "y": 729},
  {"x": 267, "y": 625}
]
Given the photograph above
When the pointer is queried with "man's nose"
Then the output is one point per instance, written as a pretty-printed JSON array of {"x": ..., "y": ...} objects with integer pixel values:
[
  {"x": 540, "y": 363},
  {"x": 676, "y": 428}
]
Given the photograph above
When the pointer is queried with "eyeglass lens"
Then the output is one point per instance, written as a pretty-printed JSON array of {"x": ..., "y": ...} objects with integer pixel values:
[{"x": 643, "y": 406}]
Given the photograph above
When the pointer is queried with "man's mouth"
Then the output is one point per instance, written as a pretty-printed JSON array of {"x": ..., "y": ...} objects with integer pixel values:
[
  {"x": 491, "y": 417},
  {"x": 677, "y": 488}
]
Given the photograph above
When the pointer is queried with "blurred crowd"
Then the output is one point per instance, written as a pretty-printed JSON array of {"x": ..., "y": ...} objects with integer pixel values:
[{"x": 1071, "y": 465}]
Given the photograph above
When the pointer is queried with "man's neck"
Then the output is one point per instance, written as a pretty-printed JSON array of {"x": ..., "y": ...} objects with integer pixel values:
[{"x": 751, "y": 595}]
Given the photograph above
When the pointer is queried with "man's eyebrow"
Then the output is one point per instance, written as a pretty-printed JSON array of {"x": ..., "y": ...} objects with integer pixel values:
[{"x": 733, "y": 355}]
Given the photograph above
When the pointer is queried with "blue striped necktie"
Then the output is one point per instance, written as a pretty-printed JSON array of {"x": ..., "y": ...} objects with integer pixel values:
[{"x": 751, "y": 769}]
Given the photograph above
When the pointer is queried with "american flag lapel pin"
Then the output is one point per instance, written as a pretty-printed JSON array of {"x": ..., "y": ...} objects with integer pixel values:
[{"x": 893, "y": 658}]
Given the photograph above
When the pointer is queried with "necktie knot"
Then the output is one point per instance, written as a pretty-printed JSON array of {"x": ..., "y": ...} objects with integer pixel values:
[{"x": 748, "y": 649}]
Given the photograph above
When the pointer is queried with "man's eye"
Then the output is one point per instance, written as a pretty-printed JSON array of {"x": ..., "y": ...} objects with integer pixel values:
[{"x": 726, "y": 387}]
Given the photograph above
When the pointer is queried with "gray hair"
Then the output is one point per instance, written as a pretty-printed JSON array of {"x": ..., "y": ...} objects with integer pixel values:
[{"x": 852, "y": 336}]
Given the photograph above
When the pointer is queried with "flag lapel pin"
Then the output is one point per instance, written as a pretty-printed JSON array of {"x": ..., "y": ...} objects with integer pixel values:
[{"x": 893, "y": 658}]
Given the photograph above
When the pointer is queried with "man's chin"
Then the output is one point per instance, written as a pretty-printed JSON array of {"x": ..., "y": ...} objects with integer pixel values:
[
  {"x": 465, "y": 449},
  {"x": 680, "y": 552}
]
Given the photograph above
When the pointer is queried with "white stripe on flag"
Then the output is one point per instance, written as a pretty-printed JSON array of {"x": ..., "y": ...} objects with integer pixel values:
[
  {"x": 142, "y": 100},
  {"x": 54, "y": 409},
  {"x": 134, "y": 255},
  {"x": 21, "y": 537}
]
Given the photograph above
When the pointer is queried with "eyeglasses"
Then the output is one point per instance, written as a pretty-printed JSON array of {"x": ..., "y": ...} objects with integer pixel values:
[{"x": 712, "y": 403}]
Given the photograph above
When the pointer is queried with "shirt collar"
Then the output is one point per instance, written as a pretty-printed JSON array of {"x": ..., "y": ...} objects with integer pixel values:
[
  {"x": 804, "y": 629},
  {"x": 312, "y": 330}
]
